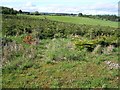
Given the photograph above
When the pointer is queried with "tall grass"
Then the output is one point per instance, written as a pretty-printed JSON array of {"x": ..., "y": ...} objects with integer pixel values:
[{"x": 63, "y": 49}]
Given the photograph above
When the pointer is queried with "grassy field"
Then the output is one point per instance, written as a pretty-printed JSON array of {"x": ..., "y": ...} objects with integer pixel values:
[
  {"x": 41, "y": 53},
  {"x": 78, "y": 20},
  {"x": 89, "y": 71}
]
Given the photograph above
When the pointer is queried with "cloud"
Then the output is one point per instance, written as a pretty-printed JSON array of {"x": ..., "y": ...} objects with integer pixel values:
[
  {"x": 105, "y": 7},
  {"x": 101, "y": 8},
  {"x": 96, "y": 12},
  {"x": 65, "y": 6},
  {"x": 96, "y": 8},
  {"x": 29, "y": 4}
]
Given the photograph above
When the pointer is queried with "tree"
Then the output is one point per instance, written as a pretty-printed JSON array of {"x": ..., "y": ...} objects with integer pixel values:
[
  {"x": 36, "y": 13},
  {"x": 20, "y": 11},
  {"x": 80, "y": 14},
  {"x": 6, "y": 10}
]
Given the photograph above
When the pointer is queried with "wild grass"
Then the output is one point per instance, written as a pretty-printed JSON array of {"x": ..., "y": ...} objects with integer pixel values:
[
  {"x": 60, "y": 65},
  {"x": 63, "y": 49},
  {"x": 57, "y": 61}
]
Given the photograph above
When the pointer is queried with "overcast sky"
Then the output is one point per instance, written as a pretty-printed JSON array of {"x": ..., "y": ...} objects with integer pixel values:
[{"x": 64, "y": 6}]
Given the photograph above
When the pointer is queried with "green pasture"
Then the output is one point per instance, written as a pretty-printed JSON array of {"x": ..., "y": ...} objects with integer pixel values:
[{"x": 77, "y": 20}]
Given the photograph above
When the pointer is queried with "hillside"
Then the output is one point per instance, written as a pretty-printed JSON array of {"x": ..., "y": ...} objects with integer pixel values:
[
  {"x": 84, "y": 19},
  {"x": 42, "y": 53},
  {"x": 77, "y": 20}
]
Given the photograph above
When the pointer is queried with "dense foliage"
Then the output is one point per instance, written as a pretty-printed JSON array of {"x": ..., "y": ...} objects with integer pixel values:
[
  {"x": 6, "y": 10},
  {"x": 44, "y": 28}
]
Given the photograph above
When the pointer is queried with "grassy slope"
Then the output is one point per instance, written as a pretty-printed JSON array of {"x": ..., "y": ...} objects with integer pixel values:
[
  {"x": 79, "y": 20},
  {"x": 83, "y": 20}
]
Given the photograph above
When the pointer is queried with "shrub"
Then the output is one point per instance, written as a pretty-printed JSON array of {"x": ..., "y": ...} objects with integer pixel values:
[{"x": 90, "y": 44}]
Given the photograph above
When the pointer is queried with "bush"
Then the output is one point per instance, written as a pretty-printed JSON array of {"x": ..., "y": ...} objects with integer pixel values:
[{"x": 90, "y": 44}]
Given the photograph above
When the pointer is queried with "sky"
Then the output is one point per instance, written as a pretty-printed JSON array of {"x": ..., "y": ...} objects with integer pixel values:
[{"x": 65, "y": 6}]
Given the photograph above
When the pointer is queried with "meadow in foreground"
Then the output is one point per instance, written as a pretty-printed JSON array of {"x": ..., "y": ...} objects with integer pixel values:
[{"x": 47, "y": 54}]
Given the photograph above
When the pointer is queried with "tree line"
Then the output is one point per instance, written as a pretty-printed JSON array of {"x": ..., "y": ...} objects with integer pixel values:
[
  {"x": 104, "y": 17},
  {"x": 6, "y": 10}
]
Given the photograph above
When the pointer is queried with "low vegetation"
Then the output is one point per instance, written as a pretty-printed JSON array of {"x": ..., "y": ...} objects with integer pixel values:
[{"x": 41, "y": 53}]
